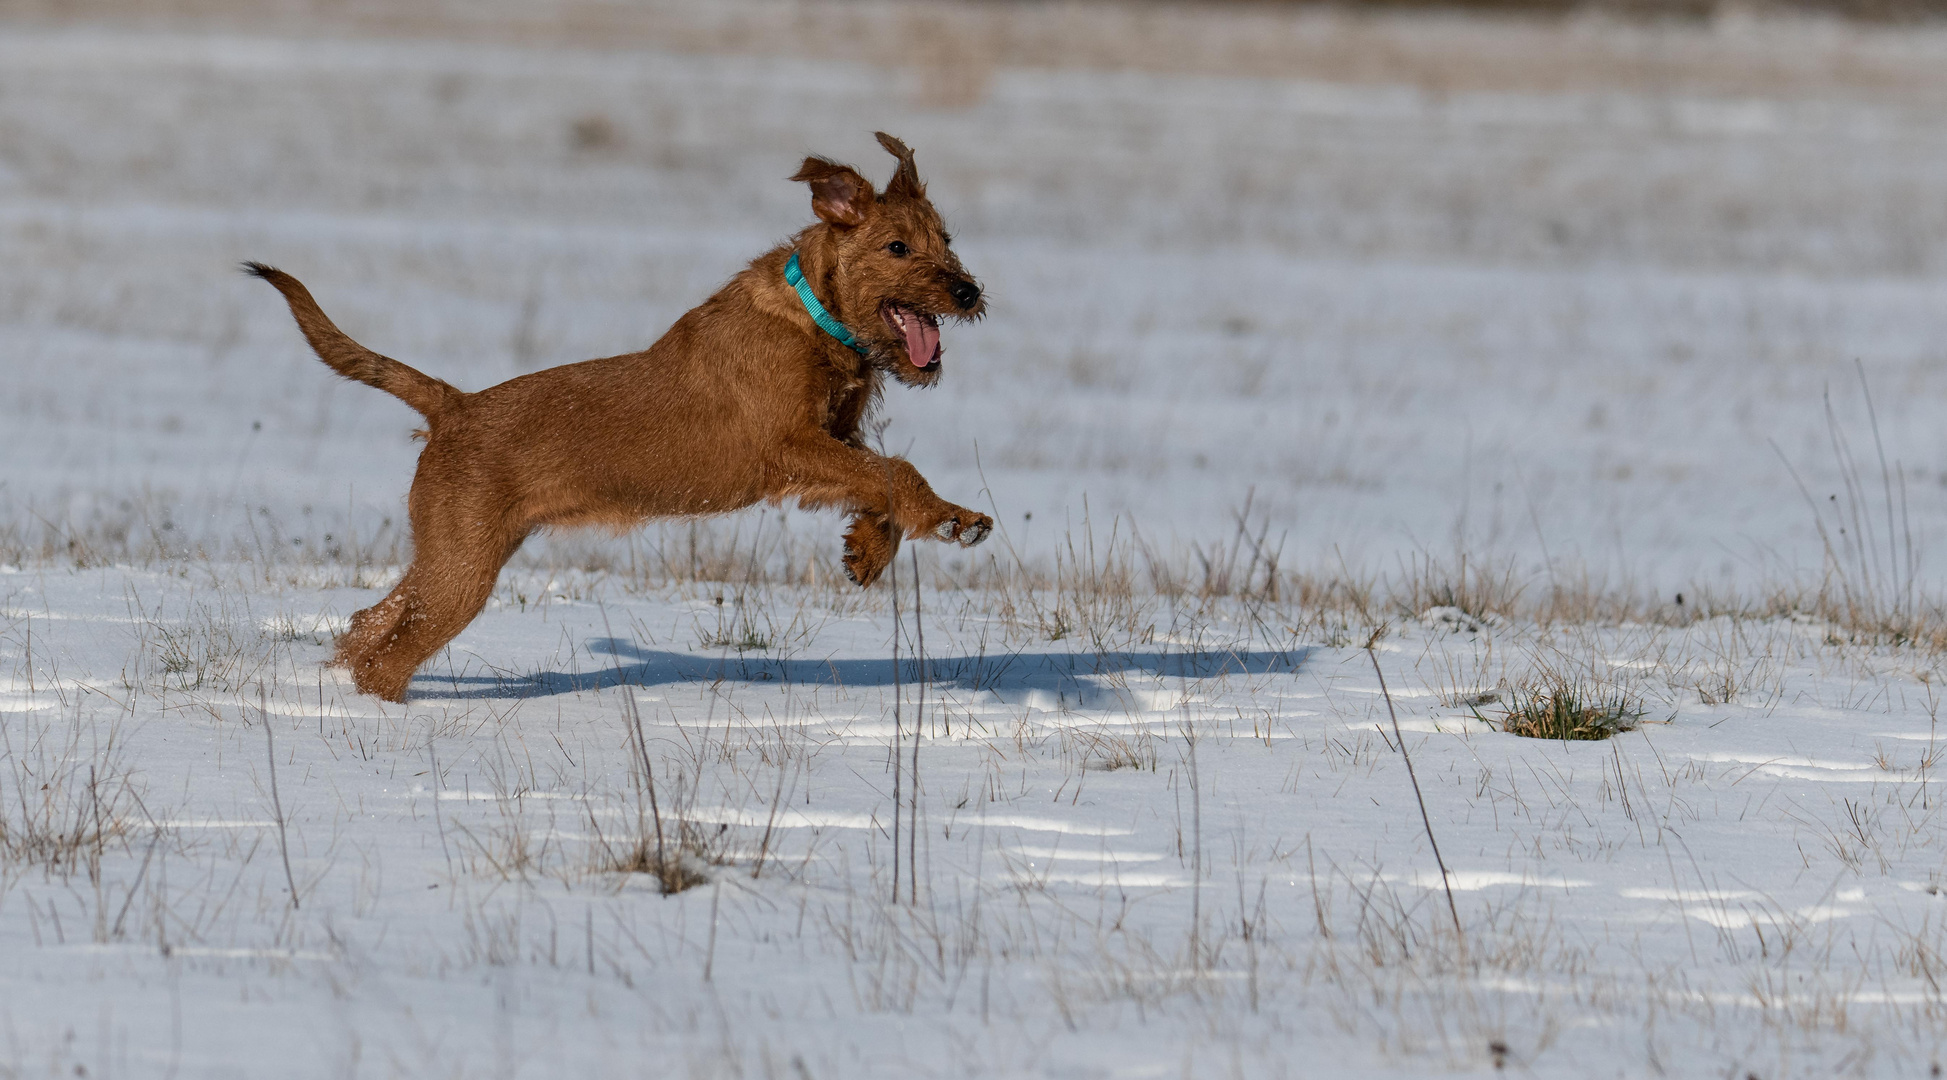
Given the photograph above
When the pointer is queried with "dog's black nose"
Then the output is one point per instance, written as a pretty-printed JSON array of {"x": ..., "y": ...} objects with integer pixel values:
[{"x": 965, "y": 293}]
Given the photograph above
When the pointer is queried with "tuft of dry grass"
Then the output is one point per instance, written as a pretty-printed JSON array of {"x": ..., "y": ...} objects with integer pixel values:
[
  {"x": 1568, "y": 711},
  {"x": 674, "y": 849},
  {"x": 1870, "y": 588},
  {"x": 737, "y": 628},
  {"x": 1107, "y": 750},
  {"x": 71, "y": 796},
  {"x": 1481, "y": 590},
  {"x": 210, "y": 648},
  {"x": 674, "y": 871}
]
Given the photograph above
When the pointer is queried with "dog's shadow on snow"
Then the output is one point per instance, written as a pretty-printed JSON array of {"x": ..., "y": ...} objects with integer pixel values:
[{"x": 1072, "y": 679}]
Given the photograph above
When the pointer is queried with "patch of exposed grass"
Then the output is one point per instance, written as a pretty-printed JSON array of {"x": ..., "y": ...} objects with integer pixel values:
[
  {"x": 737, "y": 624},
  {"x": 1107, "y": 750},
  {"x": 674, "y": 871},
  {"x": 1566, "y": 711},
  {"x": 743, "y": 639},
  {"x": 65, "y": 798},
  {"x": 209, "y": 648}
]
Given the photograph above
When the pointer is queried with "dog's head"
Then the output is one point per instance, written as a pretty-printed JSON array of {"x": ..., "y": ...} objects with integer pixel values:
[{"x": 893, "y": 273}]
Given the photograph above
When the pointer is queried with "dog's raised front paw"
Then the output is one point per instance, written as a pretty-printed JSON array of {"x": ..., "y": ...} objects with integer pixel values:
[
  {"x": 868, "y": 548},
  {"x": 965, "y": 528},
  {"x": 864, "y": 569}
]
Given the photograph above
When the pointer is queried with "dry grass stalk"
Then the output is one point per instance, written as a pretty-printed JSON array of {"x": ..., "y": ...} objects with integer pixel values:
[
  {"x": 677, "y": 863},
  {"x": 1446, "y": 879}
]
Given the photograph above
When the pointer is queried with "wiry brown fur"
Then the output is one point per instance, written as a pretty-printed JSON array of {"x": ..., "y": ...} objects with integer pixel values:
[{"x": 744, "y": 399}]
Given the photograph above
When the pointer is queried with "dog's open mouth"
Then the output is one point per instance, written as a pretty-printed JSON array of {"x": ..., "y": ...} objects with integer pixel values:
[{"x": 920, "y": 331}]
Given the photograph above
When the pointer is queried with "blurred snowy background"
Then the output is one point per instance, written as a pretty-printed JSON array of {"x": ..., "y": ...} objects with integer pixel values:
[{"x": 1545, "y": 290}]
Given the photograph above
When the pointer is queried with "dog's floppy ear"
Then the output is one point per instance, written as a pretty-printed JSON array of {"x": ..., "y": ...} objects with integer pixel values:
[
  {"x": 906, "y": 181},
  {"x": 839, "y": 195}
]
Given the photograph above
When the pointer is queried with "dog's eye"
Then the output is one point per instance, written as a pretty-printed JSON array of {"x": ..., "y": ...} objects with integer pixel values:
[{"x": 898, "y": 249}]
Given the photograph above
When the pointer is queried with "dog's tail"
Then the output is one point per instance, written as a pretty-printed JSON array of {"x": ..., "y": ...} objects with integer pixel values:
[{"x": 354, "y": 361}]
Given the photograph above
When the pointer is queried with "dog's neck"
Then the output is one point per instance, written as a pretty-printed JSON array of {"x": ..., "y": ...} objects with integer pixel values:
[
  {"x": 852, "y": 386},
  {"x": 817, "y": 255},
  {"x": 817, "y": 261}
]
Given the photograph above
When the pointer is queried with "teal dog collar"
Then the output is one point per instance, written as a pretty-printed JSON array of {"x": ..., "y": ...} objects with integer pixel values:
[{"x": 794, "y": 277}]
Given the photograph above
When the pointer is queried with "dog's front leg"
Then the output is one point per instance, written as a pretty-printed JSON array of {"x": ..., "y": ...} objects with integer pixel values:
[
  {"x": 870, "y": 545},
  {"x": 886, "y": 495}
]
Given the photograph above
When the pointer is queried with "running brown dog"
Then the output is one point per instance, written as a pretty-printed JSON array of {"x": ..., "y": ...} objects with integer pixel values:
[{"x": 750, "y": 396}]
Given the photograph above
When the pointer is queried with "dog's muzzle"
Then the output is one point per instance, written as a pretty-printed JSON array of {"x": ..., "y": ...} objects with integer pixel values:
[{"x": 965, "y": 293}]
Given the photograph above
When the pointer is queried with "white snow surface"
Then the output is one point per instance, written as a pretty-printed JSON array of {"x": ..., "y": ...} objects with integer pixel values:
[
  {"x": 1746, "y": 887},
  {"x": 1582, "y": 328}
]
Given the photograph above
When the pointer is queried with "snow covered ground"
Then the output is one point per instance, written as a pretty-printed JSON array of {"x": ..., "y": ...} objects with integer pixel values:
[
  {"x": 1752, "y": 886},
  {"x": 1567, "y": 300}
]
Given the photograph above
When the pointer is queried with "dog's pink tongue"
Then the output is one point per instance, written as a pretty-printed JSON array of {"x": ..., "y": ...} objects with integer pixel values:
[{"x": 922, "y": 341}]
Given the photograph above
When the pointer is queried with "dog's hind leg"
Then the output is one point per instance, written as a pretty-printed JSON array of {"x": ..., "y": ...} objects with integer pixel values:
[
  {"x": 371, "y": 626},
  {"x": 451, "y": 578},
  {"x": 434, "y": 613}
]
